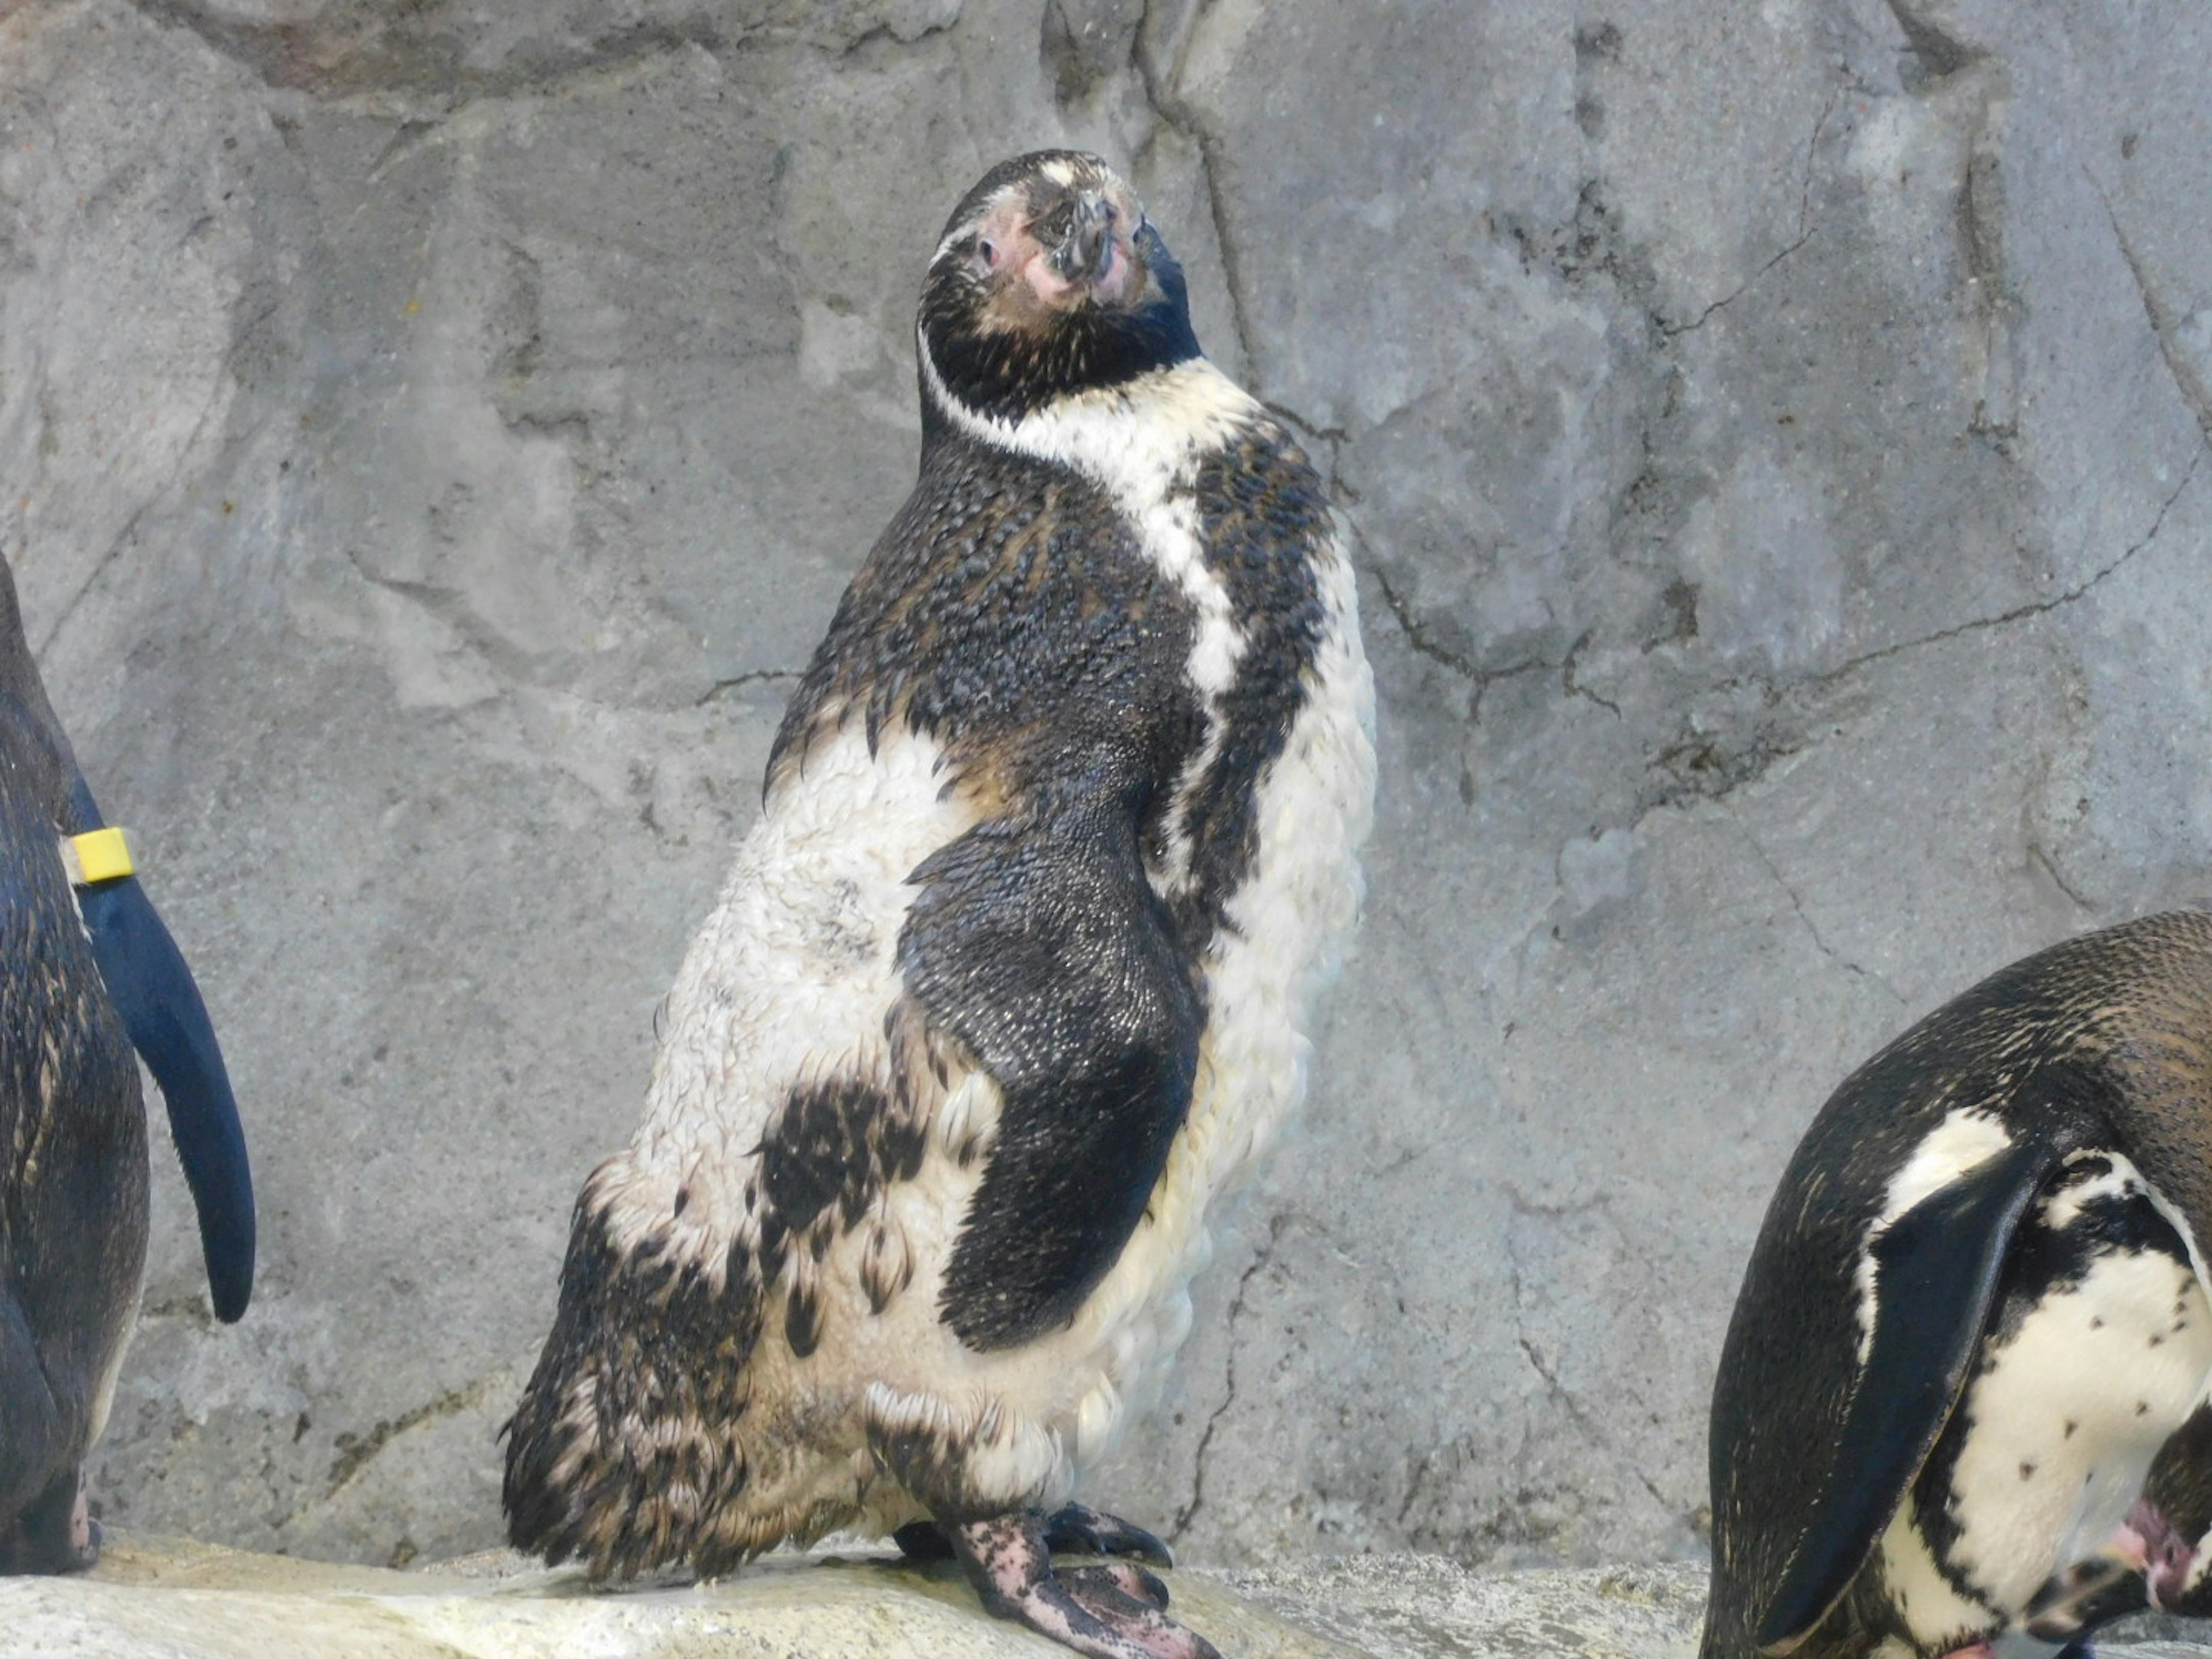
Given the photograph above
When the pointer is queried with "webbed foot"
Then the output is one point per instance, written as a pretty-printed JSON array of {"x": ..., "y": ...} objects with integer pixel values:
[{"x": 1115, "y": 1611}]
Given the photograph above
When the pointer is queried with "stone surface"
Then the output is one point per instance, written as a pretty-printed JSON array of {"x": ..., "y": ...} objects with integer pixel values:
[
  {"x": 159, "y": 1598},
  {"x": 436, "y": 432}
]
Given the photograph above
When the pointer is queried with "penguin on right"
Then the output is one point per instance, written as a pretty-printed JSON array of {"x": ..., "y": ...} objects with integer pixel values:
[{"x": 1975, "y": 1318}]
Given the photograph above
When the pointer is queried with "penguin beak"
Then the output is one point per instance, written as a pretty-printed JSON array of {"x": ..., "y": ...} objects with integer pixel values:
[{"x": 1085, "y": 254}]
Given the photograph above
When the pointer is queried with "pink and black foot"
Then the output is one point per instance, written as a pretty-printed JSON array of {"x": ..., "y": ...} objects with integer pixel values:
[{"x": 1113, "y": 1610}]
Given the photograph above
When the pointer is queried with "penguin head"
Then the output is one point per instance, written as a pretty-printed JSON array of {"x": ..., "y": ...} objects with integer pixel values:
[{"x": 1049, "y": 282}]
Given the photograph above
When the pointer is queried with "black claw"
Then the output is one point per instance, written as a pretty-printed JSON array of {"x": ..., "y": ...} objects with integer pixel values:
[
  {"x": 1125, "y": 1580},
  {"x": 1080, "y": 1528}
]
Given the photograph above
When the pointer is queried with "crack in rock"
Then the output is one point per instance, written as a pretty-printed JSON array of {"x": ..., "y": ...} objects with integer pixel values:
[
  {"x": 1592, "y": 1431},
  {"x": 1805, "y": 230},
  {"x": 1557, "y": 1392},
  {"x": 890, "y": 32},
  {"x": 2186, "y": 379},
  {"x": 2040, "y": 856},
  {"x": 1264, "y": 1254},
  {"x": 1812, "y": 929},
  {"x": 2020, "y": 613},
  {"x": 355, "y": 1453},
  {"x": 1417, "y": 638},
  {"x": 123, "y": 539},
  {"x": 751, "y": 677},
  {"x": 1417, "y": 635},
  {"x": 1574, "y": 688},
  {"x": 455, "y": 609},
  {"x": 1336, "y": 437},
  {"x": 1180, "y": 116}
]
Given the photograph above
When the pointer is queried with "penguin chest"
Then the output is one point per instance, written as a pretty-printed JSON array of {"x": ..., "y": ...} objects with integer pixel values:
[{"x": 2099, "y": 1350}]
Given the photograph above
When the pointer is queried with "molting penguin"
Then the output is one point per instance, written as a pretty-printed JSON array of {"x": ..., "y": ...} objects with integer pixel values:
[
  {"x": 1976, "y": 1311},
  {"x": 1058, "y": 838},
  {"x": 84, "y": 976}
]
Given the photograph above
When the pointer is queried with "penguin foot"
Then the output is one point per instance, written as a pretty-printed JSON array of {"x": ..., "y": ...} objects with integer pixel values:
[
  {"x": 56, "y": 1534},
  {"x": 1111, "y": 1611},
  {"x": 1076, "y": 1530}
]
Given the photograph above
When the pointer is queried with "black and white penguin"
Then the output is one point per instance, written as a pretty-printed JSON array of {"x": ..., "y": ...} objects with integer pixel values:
[
  {"x": 1976, "y": 1312},
  {"x": 1058, "y": 839},
  {"x": 87, "y": 973}
]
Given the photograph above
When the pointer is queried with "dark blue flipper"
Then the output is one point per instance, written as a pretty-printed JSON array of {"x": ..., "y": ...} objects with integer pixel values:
[
  {"x": 1936, "y": 1269},
  {"x": 153, "y": 993}
]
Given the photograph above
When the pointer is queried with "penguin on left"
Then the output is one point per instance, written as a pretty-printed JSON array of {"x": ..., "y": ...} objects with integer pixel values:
[{"x": 87, "y": 973}]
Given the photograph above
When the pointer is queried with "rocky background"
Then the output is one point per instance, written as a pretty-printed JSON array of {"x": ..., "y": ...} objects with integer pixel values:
[{"x": 433, "y": 432}]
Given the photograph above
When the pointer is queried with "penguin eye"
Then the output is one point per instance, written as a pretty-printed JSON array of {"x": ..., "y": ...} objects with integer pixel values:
[{"x": 987, "y": 254}]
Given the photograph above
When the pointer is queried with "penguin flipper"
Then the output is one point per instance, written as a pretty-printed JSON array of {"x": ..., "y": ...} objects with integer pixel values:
[
  {"x": 1049, "y": 954},
  {"x": 1936, "y": 1268},
  {"x": 160, "y": 1004}
]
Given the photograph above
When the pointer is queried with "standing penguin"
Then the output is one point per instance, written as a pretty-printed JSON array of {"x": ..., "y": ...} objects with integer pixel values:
[
  {"x": 1975, "y": 1314},
  {"x": 84, "y": 976},
  {"x": 1058, "y": 839}
]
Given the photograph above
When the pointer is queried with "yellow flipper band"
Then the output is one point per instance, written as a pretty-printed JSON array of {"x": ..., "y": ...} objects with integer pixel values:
[{"x": 97, "y": 855}]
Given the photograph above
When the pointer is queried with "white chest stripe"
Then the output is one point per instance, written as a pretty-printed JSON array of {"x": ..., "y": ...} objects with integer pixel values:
[{"x": 1142, "y": 444}]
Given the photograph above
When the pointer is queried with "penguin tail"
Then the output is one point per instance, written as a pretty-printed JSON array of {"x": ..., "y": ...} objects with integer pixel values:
[{"x": 623, "y": 1448}]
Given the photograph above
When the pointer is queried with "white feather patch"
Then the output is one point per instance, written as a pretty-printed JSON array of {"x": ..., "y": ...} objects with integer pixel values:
[
  {"x": 1964, "y": 1141},
  {"x": 790, "y": 979},
  {"x": 1936, "y": 1615}
]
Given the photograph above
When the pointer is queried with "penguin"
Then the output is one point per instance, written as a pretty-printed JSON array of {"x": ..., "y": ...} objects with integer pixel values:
[
  {"x": 1975, "y": 1315},
  {"x": 88, "y": 973},
  {"x": 1007, "y": 985}
]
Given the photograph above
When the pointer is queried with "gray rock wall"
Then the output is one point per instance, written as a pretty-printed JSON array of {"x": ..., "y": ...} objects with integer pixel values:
[{"x": 434, "y": 433}]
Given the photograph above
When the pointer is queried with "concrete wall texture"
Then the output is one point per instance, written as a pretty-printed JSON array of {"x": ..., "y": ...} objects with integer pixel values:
[{"x": 433, "y": 432}]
